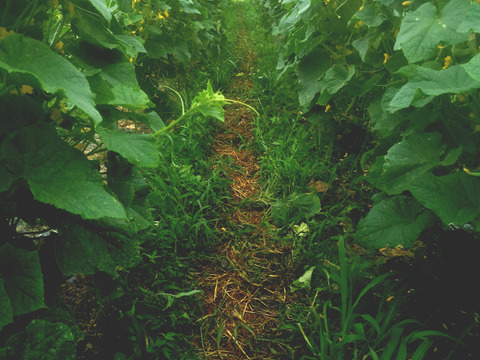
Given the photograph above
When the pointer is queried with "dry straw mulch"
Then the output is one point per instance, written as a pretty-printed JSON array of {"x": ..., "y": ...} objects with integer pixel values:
[{"x": 245, "y": 283}]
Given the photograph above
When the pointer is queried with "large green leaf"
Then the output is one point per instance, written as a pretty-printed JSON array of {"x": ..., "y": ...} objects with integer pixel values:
[
  {"x": 361, "y": 45},
  {"x": 6, "y": 178},
  {"x": 120, "y": 72},
  {"x": 20, "y": 54},
  {"x": 309, "y": 70},
  {"x": 6, "y": 313},
  {"x": 102, "y": 9},
  {"x": 86, "y": 251},
  {"x": 471, "y": 22},
  {"x": 413, "y": 156},
  {"x": 423, "y": 29},
  {"x": 336, "y": 77},
  {"x": 139, "y": 149},
  {"x": 101, "y": 89},
  {"x": 433, "y": 83},
  {"x": 58, "y": 174},
  {"x": 49, "y": 341},
  {"x": 394, "y": 221},
  {"x": 383, "y": 123},
  {"x": 131, "y": 45},
  {"x": 473, "y": 67},
  {"x": 22, "y": 279},
  {"x": 370, "y": 16},
  {"x": 454, "y": 197},
  {"x": 188, "y": 7},
  {"x": 93, "y": 30},
  {"x": 132, "y": 98}
]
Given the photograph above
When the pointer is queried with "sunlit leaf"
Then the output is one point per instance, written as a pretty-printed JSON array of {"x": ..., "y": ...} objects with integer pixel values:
[
  {"x": 20, "y": 54},
  {"x": 423, "y": 29}
]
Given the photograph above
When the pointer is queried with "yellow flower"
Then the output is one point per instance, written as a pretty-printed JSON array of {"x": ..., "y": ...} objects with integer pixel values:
[
  {"x": 166, "y": 13},
  {"x": 359, "y": 24},
  {"x": 361, "y": 8},
  {"x": 59, "y": 47},
  {"x": 56, "y": 115},
  {"x": 406, "y": 3},
  {"x": 386, "y": 57},
  {"x": 448, "y": 61},
  {"x": 131, "y": 59},
  {"x": 24, "y": 89},
  {"x": 160, "y": 16},
  {"x": 327, "y": 107},
  {"x": 4, "y": 33}
]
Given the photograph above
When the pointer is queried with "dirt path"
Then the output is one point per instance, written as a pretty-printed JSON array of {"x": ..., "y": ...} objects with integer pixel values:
[{"x": 245, "y": 282}]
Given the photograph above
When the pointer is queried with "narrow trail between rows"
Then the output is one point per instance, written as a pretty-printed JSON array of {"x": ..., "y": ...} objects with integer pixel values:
[{"x": 245, "y": 282}]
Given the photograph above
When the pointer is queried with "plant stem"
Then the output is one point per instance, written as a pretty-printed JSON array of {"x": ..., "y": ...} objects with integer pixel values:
[
  {"x": 49, "y": 25},
  {"x": 173, "y": 123}
]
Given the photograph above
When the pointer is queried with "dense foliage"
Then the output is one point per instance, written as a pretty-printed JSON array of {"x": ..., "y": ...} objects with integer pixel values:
[
  {"x": 73, "y": 75},
  {"x": 111, "y": 199},
  {"x": 408, "y": 72}
]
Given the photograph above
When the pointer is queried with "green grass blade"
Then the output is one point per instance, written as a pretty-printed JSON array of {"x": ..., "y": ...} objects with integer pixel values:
[
  {"x": 422, "y": 349},
  {"x": 343, "y": 281},
  {"x": 392, "y": 344},
  {"x": 402, "y": 350},
  {"x": 368, "y": 318},
  {"x": 370, "y": 285}
]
